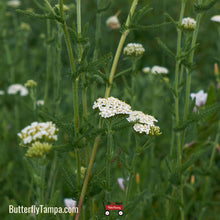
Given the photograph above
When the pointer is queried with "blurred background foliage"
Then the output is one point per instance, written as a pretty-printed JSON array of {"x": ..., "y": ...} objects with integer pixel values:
[{"x": 24, "y": 44}]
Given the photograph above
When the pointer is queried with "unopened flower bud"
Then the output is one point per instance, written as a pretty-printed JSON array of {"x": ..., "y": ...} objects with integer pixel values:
[
  {"x": 216, "y": 69},
  {"x": 38, "y": 149},
  {"x": 65, "y": 7},
  {"x": 113, "y": 22},
  {"x": 138, "y": 178},
  {"x": 30, "y": 84},
  {"x": 192, "y": 180}
]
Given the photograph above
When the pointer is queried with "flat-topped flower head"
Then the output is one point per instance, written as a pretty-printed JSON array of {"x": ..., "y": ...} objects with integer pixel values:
[
  {"x": 159, "y": 70},
  {"x": 144, "y": 123},
  {"x": 17, "y": 88},
  {"x": 201, "y": 98},
  {"x": 14, "y": 3},
  {"x": 38, "y": 149},
  {"x": 216, "y": 18},
  {"x": 146, "y": 69},
  {"x": 189, "y": 23},
  {"x": 134, "y": 49},
  {"x": 44, "y": 131},
  {"x": 111, "y": 106}
]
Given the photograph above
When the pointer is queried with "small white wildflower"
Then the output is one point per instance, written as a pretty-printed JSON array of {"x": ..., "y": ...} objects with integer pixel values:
[
  {"x": 2, "y": 92},
  {"x": 17, "y": 88},
  {"x": 189, "y": 23},
  {"x": 113, "y": 22},
  {"x": 216, "y": 18},
  {"x": 14, "y": 3},
  {"x": 146, "y": 69},
  {"x": 121, "y": 183},
  {"x": 200, "y": 97},
  {"x": 134, "y": 49},
  {"x": 70, "y": 203},
  {"x": 40, "y": 102},
  {"x": 45, "y": 131},
  {"x": 111, "y": 106},
  {"x": 159, "y": 70}
]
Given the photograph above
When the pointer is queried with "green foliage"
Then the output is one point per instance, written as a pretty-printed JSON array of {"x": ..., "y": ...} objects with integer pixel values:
[
  {"x": 34, "y": 47},
  {"x": 204, "y": 7}
]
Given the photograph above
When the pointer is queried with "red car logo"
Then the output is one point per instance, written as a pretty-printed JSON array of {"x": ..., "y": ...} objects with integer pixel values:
[{"x": 114, "y": 206}]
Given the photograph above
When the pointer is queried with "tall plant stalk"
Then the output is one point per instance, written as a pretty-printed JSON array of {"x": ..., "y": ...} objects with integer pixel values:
[
  {"x": 75, "y": 83},
  {"x": 48, "y": 68},
  {"x": 108, "y": 162},
  {"x": 188, "y": 72},
  {"x": 119, "y": 49},
  {"x": 177, "y": 118}
]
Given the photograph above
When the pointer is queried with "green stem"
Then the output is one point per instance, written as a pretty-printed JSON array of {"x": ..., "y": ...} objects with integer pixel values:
[
  {"x": 179, "y": 151},
  {"x": 78, "y": 166},
  {"x": 132, "y": 172},
  {"x": 9, "y": 61},
  {"x": 188, "y": 76},
  {"x": 133, "y": 80},
  {"x": 108, "y": 162},
  {"x": 48, "y": 67},
  {"x": 88, "y": 173},
  {"x": 73, "y": 68},
  {"x": 119, "y": 49},
  {"x": 58, "y": 69},
  {"x": 51, "y": 177},
  {"x": 98, "y": 32}
]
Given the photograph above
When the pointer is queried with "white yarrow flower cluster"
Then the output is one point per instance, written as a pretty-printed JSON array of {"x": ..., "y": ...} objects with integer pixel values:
[
  {"x": 159, "y": 70},
  {"x": 145, "y": 123},
  {"x": 111, "y": 106},
  {"x": 201, "y": 98},
  {"x": 44, "y": 131},
  {"x": 17, "y": 88},
  {"x": 189, "y": 23},
  {"x": 134, "y": 49},
  {"x": 14, "y": 3},
  {"x": 216, "y": 18}
]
